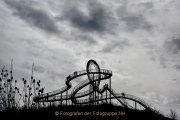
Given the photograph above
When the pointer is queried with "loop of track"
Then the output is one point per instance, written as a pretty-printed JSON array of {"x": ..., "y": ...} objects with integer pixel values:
[{"x": 94, "y": 76}]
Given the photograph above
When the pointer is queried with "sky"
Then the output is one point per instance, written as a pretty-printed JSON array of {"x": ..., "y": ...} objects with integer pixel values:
[{"x": 138, "y": 40}]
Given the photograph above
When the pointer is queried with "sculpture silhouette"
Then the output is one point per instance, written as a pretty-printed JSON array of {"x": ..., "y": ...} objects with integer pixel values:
[{"x": 94, "y": 78}]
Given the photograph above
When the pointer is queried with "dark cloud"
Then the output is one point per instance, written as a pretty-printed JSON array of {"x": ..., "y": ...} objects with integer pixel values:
[
  {"x": 26, "y": 65},
  {"x": 113, "y": 45},
  {"x": 90, "y": 40},
  {"x": 97, "y": 20},
  {"x": 52, "y": 75},
  {"x": 148, "y": 44},
  {"x": 33, "y": 53},
  {"x": 163, "y": 61},
  {"x": 4, "y": 64},
  {"x": 132, "y": 21},
  {"x": 146, "y": 5},
  {"x": 36, "y": 68},
  {"x": 125, "y": 2},
  {"x": 177, "y": 67},
  {"x": 87, "y": 39},
  {"x": 39, "y": 69},
  {"x": 33, "y": 17},
  {"x": 173, "y": 45}
]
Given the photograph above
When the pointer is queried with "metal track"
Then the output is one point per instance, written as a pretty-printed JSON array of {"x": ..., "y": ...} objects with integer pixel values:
[{"x": 94, "y": 78}]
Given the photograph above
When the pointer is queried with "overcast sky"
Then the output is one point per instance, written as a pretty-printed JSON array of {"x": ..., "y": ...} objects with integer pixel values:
[{"x": 138, "y": 40}]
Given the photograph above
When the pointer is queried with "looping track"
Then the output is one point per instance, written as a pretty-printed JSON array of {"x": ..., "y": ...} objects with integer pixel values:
[{"x": 94, "y": 78}]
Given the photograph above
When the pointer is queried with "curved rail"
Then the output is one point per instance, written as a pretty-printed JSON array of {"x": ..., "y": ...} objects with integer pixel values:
[
  {"x": 94, "y": 78},
  {"x": 68, "y": 83}
]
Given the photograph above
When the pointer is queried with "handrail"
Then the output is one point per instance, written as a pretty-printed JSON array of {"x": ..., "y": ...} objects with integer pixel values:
[
  {"x": 72, "y": 76},
  {"x": 98, "y": 75}
]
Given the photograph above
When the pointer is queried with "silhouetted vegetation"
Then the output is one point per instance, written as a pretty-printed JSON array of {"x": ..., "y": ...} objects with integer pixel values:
[
  {"x": 10, "y": 104},
  {"x": 173, "y": 114},
  {"x": 10, "y": 96}
]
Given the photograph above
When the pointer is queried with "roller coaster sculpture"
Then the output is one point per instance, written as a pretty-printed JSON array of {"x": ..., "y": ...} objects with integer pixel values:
[{"x": 94, "y": 78}]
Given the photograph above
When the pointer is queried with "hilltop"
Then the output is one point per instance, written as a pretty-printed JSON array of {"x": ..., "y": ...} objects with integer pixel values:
[{"x": 100, "y": 111}]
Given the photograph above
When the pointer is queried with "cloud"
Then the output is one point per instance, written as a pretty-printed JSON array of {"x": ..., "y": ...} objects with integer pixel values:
[
  {"x": 39, "y": 69},
  {"x": 177, "y": 67},
  {"x": 162, "y": 61},
  {"x": 155, "y": 98},
  {"x": 85, "y": 29},
  {"x": 115, "y": 44},
  {"x": 52, "y": 75},
  {"x": 169, "y": 53},
  {"x": 148, "y": 44},
  {"x": 172, "y": 46},
  {"x": 132, "y": 21},
  {"x": 44, "y": 71},
  {"x": 97, "y": 19},
  {"x": 36, "y": 68},
  {"x": 81, "y": 38},
  {"x": 33, "y": 17},
  {"x": 88, "y": 39},
  {"x": 146, "y": 5}
]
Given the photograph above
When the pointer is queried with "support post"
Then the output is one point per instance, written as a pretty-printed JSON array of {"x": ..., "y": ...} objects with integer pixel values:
[
  {"x": 106, "y": 95},
  {"x": 66, "y": 98},
  {"x": 95, "y": 91},
  {"x": 101, "y": 98},
  {"x": 61, "y": 99},
  {"x": 98, "y": 98},
  {"x": 89, "y": 94},
  {"x": 110, "y": 88}
]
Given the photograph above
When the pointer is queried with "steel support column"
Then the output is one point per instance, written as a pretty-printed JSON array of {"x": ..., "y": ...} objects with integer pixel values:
[
  {"x": 110, "y": 88},
  {"x": 106, "y": 95}
]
